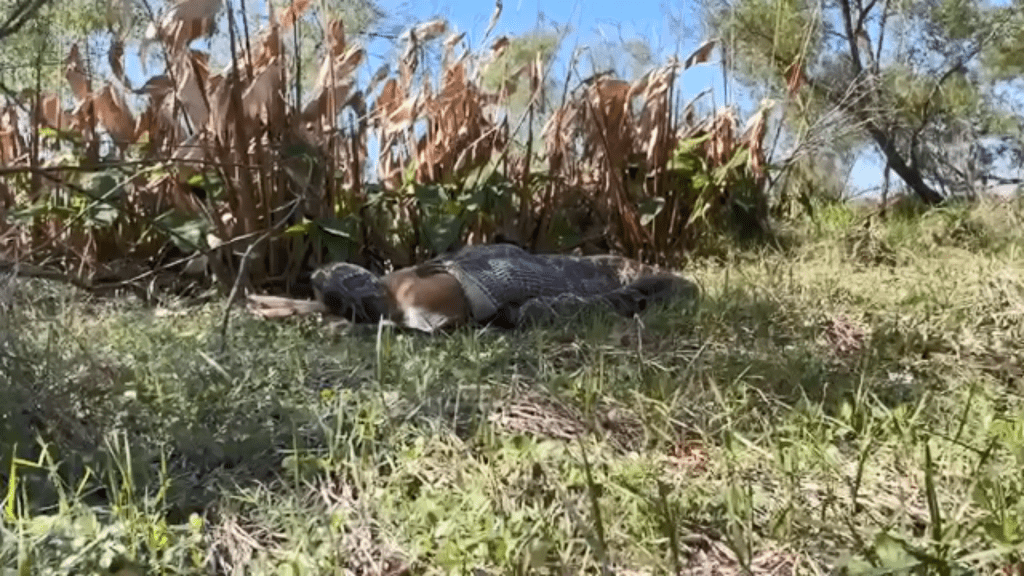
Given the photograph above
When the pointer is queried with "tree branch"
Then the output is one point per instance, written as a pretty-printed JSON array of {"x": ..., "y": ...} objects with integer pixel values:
[
  {"x": 881, "y": 36},
  {"x": 864, "y": 11},
  {"x": 23, "y": 11},
  {"x": 851, "y": 37}
]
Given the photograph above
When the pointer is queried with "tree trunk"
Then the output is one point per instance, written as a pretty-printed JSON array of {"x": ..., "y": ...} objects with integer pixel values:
[{"x": 909, "y": 174}]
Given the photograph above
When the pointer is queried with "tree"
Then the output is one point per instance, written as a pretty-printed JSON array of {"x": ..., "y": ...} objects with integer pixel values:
[
  {"x": 18, "y": 15},
  {"x": 37, "y": 37},
  {"x": 925, "y": 82},
  {"x": 509, "y": 72}
]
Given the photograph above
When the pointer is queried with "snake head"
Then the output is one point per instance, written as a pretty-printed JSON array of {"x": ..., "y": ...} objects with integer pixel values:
[{"x": 352, "y": 292}]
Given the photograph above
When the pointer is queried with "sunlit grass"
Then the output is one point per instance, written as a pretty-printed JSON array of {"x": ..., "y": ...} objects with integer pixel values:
[{"x": 853, "y": 402}]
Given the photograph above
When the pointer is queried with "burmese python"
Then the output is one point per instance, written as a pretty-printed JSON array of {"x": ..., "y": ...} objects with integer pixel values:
[{"x": 500, "y": 285}]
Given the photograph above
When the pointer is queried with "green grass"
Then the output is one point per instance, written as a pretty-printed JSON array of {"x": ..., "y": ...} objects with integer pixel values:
[{"x": 852, "y": 404}]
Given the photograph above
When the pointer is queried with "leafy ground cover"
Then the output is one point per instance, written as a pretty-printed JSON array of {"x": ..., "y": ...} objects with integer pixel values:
[{"x": 851, "y": 402}]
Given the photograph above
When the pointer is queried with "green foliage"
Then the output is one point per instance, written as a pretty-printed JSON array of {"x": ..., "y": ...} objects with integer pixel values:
[
  {"x": 510, "y": 70},
  {"x": 809, "y": 184},
  {"x": 959, "y": 19},
  {"x": 764, "y": 37},
  {"x": 44, "y": 41},
  {"x": 628, "y": 58},
  {"x": 938, "y": 87},
  {"x": 448, "y": 212},
  {"x": 101, "y": 203},
  {"x": 1004, "y": 56},
  {"x": 445, "y": 214},
  {"x": 721, "y": 199}
]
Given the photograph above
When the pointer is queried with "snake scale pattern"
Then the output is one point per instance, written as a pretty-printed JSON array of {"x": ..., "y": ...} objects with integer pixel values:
[{"x": 504, "y": 285}]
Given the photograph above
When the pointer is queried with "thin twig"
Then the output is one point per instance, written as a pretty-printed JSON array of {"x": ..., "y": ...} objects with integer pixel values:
[{"x": 243, "y": 270}]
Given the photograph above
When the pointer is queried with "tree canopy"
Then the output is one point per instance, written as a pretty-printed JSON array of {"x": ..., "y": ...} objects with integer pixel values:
[{"x": 930, "y": 84}]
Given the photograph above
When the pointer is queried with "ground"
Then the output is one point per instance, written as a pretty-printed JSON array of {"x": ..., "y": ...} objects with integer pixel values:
[{"x": 849, "y": 402}]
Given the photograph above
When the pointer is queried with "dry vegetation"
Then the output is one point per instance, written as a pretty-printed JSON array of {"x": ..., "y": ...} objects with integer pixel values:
[{"x": 223, "y": 167}]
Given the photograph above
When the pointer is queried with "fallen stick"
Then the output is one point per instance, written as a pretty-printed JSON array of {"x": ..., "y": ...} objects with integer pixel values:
[{"x": 281, "y": 307}]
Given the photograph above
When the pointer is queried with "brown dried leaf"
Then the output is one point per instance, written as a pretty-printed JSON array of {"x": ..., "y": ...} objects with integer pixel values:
[
  {"x": 795, "y": 78},
  {"x": 200, "y": 60},
  {"x": 12, "y": 145},
  {"x": 220, "y": 103},
  {"x": 655, "y": 142},
  {"x": 157, "y": 87},
  {"x": 378, "y": 77},
  {"x": 82, "y": 118},
  {"x": 74, "y": 72},
  {"x": 148, "y": 123},
  {"x": 478, "y": 153},
  {"x": 659, "y": 85},
  {"x": 280, "y": 307},
  {"x": 191, "y": 72},
  {"x": 720, "y": 146},
  {"x": 260, "y": 94},
  {"x": 52, "y": 113},
  {"x": 555, "y": 137},
  {"x": 753, "y": 137},
  {"x": 454, "y": 39},
  {"x": 845, "y": 336},
  {"x": 115, "y": 57},
  {"x": 454, "y": 84},
  {"x": 292, "y": 13},
  {"x": 388, "y": 100},
  {"x": 449, "y": 45},
  {"x": 640, "y": 85},
  {"x": 427, "y": 31},
  {"x": 389, "y": 166},
  {"x": 183, "y": 23},
  {"x": 270, "y": 48},
  {"x": 608, "y": 97},
  {"x": 460, "y": 137},
  {"x": 333, "y": 84},
  {"x": 494, "y": 18},
  {"x": 701, "y": 55},
  {"x": 344, "y": 66},
  {"x": 498, "y": 47},
  {"x": 190, "y": 153},
  {"x": 336, "y": 37},
  {"x": 414, "y": 37},
  {"x": 403, "y": 116},
  {"x": 113, "y": 113}
]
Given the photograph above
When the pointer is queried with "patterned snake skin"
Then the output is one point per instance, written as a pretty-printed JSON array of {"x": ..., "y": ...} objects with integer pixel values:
[{"x": 510, "y": 287}]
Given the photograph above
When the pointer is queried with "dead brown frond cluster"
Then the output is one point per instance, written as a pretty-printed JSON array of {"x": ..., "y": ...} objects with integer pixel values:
[
  {"x": 241, "y": 174},
  {"x": 618, "y": 145},
  {"x": 459, "y": 132}
]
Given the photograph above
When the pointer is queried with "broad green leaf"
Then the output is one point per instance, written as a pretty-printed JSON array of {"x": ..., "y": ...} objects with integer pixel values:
[{"x": 649, "y": 209}]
